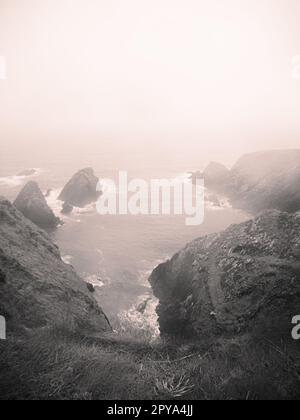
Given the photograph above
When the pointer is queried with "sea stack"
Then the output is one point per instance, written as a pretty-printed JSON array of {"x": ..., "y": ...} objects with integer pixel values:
[
  {"x": 81, "y": 189},
  {"x": 216, "y": 177},
  {"x": 216, "y": 174},
  {"x": 66, "y": 209},
  {"x": 33, "y": 205}
]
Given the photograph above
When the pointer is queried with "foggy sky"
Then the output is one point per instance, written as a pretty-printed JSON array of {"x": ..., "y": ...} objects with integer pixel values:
[{"x": 211, "y": 76}]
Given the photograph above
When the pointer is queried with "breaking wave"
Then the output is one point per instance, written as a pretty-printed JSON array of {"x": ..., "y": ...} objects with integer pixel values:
[{"x": 17, "y": 180}]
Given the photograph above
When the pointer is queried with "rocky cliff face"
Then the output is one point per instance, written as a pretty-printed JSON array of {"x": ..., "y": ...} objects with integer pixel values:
[
  {"x": 267, "y": 180},
  {"x": 37, "y": 288},
  {"x": 245, "y": 280},
  {"x": 259, "y": 181},
  {"x": 81, "y": 189},
  {"x": 32, "y": 204}
]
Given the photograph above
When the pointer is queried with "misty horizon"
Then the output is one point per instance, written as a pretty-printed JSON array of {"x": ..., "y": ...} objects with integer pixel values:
[{"x": 147, "y": 79}]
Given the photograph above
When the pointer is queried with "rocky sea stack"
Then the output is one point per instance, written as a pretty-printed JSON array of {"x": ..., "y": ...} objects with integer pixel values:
[
  {"x": 81, "y": 189},
  {"x": 216, "y": 175},
  {"x": 37, "y": 289},
  {"x": 33, "y": 205},
  {"x": 244, "y": 281}
]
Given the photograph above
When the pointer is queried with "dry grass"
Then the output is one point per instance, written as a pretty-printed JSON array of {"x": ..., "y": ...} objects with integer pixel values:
[{"x": 58, "y": 364}]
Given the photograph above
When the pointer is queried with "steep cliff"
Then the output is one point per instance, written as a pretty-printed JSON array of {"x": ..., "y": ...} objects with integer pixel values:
[
  {"x": 244, "y": 280},
  {"x": 267, "y": 180},
  {"x": 258, "y": 181},
  {"x": 37, "y": 288}
]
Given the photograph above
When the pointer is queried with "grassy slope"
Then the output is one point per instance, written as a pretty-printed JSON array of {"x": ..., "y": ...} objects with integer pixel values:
[{"x": 58, "y": 364}]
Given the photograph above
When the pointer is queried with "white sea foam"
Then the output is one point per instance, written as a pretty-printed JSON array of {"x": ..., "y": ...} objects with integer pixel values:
[
  {"x": 56, "y": 206},
  {"x": 54, "y": 203},
  {"x": 67, "y": 259},
  {"x": 16, "y": 180},
  {"x": 90, "y": 208},
  {"x": 142, "y": 320},
  {"x": 94, "y": 280},
  {"x": 143, "y": 275},
  {"x": 142, "y": 315},
  {"x": 224, "y": 204}
]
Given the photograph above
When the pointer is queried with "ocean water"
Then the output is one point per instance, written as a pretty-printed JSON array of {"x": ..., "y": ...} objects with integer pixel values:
[{"x": 116, "y": 253}]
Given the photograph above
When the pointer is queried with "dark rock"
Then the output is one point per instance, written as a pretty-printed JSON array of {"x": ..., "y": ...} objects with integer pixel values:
[
  {"x": 90, "y": 287},
  {"x": 2, "y": 277},
  {"x": 143, "y": 306},
  {"x": 27, "y": 172},
  {"x": 245, "y": 280},
  {"x": 33, "y": 205},
  {"x": 39, "y": 288},
  {"x": 67, "y": 208},
  {"x": 81, "y": 189},
  {"x": 214, "y": 199}
]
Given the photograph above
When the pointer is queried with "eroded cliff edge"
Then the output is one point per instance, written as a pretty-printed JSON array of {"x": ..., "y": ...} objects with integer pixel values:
[
  {"x": 37, "y": 288},
  {"x": 243, "y": 281}
]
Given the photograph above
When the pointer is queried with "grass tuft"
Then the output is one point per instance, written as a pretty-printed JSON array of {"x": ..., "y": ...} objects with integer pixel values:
[{"x": 58, "y": 364}]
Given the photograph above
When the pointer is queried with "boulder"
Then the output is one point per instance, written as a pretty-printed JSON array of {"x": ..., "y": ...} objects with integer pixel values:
[
  {"x": 37, "y": 289},
  {"x": 244, "y": 281},
  {"x": 32, "y": 203},
  {"x": 81, "y": 189},
  {"x": 67, "y": 209}
]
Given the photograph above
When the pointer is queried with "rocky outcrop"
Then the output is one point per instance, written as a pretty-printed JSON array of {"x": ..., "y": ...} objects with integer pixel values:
[
  {"x": 267, "y": 180},
  {"x": 216, "y": 175},
  {"x": 259, "y": 181},
  {"x": 245, "y": 280},
  {"x": 37, "y": 288},
  {"x": 67, "y": 209},
  {"x": 33, "y": 205},
  {"x": 81, "y": 189}
]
